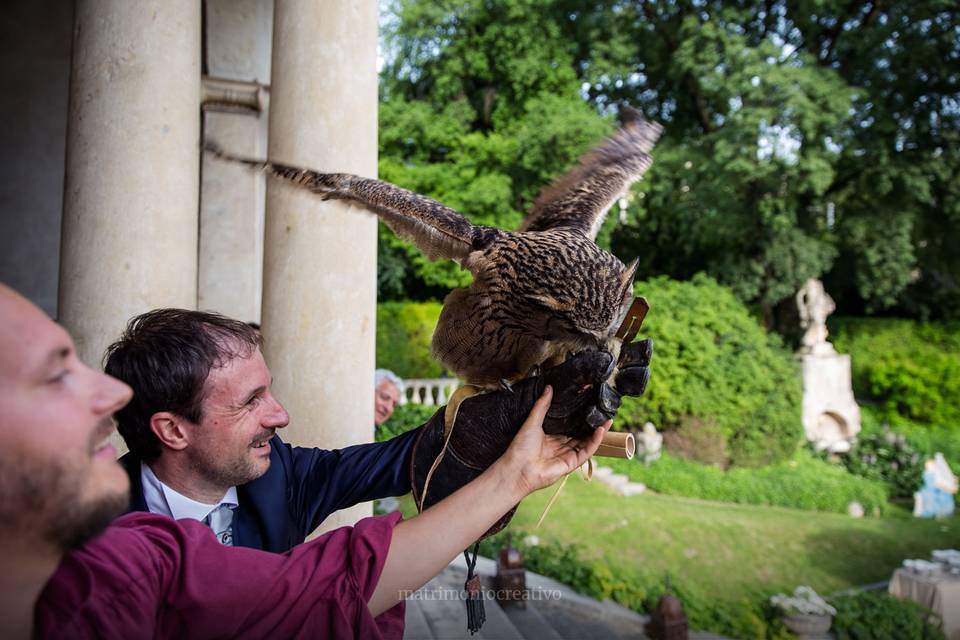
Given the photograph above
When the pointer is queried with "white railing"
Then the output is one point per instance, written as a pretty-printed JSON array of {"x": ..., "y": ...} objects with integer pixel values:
[{"x": 431, "y": 392}]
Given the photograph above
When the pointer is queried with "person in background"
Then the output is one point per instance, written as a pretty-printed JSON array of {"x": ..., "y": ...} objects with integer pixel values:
[{"x": 387, "y": 391}]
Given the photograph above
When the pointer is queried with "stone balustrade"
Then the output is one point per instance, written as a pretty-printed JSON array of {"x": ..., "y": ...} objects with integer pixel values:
[{"x": 431, "y": 392}]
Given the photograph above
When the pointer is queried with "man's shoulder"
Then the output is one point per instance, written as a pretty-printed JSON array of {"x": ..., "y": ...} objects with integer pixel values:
[
  {"x": 123, "y": 569},
  {"x": 132, "y": 543}
]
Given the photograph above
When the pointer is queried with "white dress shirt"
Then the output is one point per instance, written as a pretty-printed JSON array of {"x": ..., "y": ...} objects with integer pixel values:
[{"x": 163, "y": 500}]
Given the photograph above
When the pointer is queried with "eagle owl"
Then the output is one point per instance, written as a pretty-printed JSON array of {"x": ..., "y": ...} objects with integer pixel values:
[{"x": 538, "y": 293}]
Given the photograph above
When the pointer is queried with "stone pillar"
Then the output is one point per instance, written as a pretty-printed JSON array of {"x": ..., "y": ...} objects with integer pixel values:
[
  {"x": 319, "y": 288},
  {"x": 129, "y": 235},
  {"x": 238, "y": 41}
]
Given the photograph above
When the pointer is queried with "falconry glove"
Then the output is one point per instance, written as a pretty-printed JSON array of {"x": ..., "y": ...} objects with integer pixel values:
[
  {"x": 630, "y": 379},
  {"x": 486, "y": 424}
]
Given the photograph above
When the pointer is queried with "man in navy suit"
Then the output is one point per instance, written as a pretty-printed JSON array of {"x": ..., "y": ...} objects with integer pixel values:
[{"x": 201, "y": 430}]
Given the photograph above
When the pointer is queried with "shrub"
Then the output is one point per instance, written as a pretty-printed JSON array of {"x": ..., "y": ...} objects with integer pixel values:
[
  {"x": 404, "y": 331},
  {"x": 924, "y": 438},
  {"x": 404, "y": 418},
  {"x": 715, "y": 366},
  {"x": 909, "y": 369},
  {"x": 879, "y": 616},
  {"x": 888, "y": 457},
  {"x": 803, "y": 482}
]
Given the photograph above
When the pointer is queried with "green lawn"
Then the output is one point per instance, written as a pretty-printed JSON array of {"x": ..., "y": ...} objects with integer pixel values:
[{"x": 731, "y": 551}]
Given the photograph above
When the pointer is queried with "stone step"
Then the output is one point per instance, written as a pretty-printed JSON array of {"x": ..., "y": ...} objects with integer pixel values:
[
  {"x": 416, "y": 627},
  {"x": 602, "y": 472},
  {"x": 616, "y": 480},
  {"x": 572, "y": 623},
  {"x": 530, "y": 622},
  {"x": 439, "y": 603},
  {"x": 555, "y": 612},
  {"x": 445, "y": 618},
  {"x": 631, "y": 489}
]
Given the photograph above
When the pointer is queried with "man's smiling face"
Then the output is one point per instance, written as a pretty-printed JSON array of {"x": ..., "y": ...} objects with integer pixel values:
[
  {"x": 231, "y": 446},
  {"x": 59, "y": 477}
]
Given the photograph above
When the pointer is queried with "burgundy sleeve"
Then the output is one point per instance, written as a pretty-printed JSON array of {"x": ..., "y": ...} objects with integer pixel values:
[{"x": 149, "y": 576}]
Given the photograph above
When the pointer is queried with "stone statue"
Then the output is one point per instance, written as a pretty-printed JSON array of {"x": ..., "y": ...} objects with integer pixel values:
[
  {"x": 814, "y": 305},
  {"x": 935, "y": 498},
  {"x": 649, "y": 444},
  {"x": 831, "y": 417}
]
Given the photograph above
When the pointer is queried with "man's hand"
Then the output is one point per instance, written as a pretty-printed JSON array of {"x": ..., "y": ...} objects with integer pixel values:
[
  {"x": 535, "y": 460},
  {"x": 423, "y": 545}
]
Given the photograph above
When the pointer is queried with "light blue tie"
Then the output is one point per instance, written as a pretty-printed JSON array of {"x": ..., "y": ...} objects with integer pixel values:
[{"x": 221, "y": 521}]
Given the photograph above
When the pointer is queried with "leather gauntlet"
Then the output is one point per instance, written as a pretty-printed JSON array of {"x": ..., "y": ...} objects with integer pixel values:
[{"x": 486, "y": 423}]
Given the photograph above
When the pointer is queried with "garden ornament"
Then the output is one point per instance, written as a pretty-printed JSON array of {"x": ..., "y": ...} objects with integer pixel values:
[
  {"x": 668, "y": 620},
  {"x": 814, "y": 305},
  {"x": 539, "y": 293},
  {"x": 935, "y": 497},
  {"x": 805, "y": 613},
  {"x": 511, "y": 578}
]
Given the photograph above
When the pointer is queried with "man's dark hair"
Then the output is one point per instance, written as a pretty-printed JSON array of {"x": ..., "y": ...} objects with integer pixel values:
[{"x": 165, "y": 355}]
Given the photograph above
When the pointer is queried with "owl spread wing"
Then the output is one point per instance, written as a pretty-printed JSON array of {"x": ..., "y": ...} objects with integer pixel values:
[
  {"x": 580, "y": 199},
  {"x": 437, "y": 230}
]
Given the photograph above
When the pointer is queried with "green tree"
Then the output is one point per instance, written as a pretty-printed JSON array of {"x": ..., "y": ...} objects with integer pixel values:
[
  {"x": 479, "y": 111},
  {"x": 802, "y": 138}
]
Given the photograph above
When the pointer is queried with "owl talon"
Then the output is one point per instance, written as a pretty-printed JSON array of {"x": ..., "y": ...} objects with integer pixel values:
[{"x": 505, "y": 385}]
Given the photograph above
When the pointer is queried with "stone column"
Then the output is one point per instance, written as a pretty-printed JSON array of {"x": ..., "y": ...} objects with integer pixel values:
[
  {"x": 319, "y": 289},
  {"x": 238, "y": 41},
  {"x": 129, "y": 235}
]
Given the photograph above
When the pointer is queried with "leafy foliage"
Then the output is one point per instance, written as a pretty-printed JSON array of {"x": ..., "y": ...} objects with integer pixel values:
[
  {"x": 479, "y": 119},
  {"x": 888, "y": 457},
  {"x": 926, "y": 439},
  {"x": 801, "y": 483},
  {"x": 404, "y": 332},
  {"x": 405, "y": 417},
  {"x": 909, "y": 369},
  {"x": 879, "y": 616},
  {"x": 802, "y": 138},
  {"x": 715, "y": 371}
]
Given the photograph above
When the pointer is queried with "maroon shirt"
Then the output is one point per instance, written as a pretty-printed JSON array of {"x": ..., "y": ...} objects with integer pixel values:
[{"x": 149, "y": 576}]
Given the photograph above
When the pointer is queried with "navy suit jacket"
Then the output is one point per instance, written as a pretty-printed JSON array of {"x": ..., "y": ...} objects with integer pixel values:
[{"x": 303, "y": 486}]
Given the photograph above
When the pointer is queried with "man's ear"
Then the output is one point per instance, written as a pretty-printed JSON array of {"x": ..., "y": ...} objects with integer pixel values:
[{"x": 170, "y": 429}]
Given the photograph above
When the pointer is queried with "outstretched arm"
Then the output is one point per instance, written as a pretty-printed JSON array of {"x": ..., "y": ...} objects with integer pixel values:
[{"x": 423, "y": 545}]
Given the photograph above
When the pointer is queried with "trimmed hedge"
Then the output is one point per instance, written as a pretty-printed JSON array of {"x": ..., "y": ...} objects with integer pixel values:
[
  {"x": 723, "y": 389},
  {"x": 801, "y": 483},
  {"x": 909, "y": 369},
  {"x": 404, "y": 331}
]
